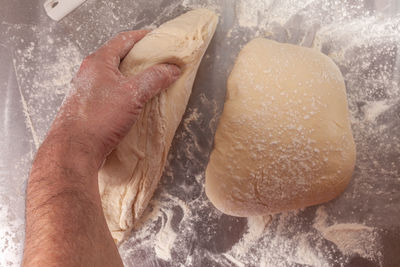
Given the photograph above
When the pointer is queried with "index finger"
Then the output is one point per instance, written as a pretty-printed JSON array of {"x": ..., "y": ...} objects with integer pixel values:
[{"x": 122, "y": 43}]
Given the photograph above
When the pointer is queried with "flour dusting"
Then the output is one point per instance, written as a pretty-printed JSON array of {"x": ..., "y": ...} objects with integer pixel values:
[
  {"x": 165, "y": 239},
  {"x": 180, "y": 226},
  {"x": 376, "y": 108},
  {"x": 350, "y": 238}
]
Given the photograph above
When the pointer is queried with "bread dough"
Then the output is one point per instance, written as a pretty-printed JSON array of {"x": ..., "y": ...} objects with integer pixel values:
[
  {"x": 130, "y": 174},
  {"x": 284, "y": 140}
]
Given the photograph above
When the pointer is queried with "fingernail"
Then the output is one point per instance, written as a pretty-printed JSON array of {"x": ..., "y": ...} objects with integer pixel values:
[{"x": 174, "y": 69}]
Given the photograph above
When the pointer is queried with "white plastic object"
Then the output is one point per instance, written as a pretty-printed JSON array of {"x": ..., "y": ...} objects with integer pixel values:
[{"x": 57, "y": 9}]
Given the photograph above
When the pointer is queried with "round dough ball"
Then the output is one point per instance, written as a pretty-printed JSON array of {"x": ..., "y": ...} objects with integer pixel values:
[{"x": 284, "y": 139}]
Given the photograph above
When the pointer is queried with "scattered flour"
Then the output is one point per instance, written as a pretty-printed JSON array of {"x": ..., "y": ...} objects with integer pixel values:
[
  {"x": 256, "y": 227},
  {"x": 209, "y": 4},
  {"x": 181, "y": 226},
  {"x": 374, "y": 109},
  {"x": 10, "y": 234},
  {"x": 165, "y": 238},
  {"x": 12, "y": 191},
  {"x": 350, "y": 238},
  {"x": 44, "y": 79},
  {"x": 252, "y": 17},
  {"x": 28, "y": 120}
]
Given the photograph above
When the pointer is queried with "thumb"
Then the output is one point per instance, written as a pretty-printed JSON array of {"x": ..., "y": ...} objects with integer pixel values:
[{"x": 153, "y": 80}]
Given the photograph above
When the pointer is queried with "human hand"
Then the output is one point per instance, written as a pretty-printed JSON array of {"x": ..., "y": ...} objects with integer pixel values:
[
  {"x": 104, "y": 104},
  {"x": 65, "y": 224}
]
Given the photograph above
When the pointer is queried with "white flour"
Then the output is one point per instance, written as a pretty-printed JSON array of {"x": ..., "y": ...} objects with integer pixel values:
[
  {"x": 350, "y": 238},
  {"x": 376, "y": 108},
  {"x": 165, "y": 239},
  {"x": 181, "y": 227},
  {"x": 44, "y": 79}
]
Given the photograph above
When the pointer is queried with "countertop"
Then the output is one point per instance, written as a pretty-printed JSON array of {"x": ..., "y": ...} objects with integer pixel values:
[{"x": 180, "y": 227}]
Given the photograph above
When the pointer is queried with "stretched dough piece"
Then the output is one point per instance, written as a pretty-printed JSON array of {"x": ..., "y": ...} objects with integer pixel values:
[
  {"x": 284, "y": 139},
  {"x": 132, "y": 171}
]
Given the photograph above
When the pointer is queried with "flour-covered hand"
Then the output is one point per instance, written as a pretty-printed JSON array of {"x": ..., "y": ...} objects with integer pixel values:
[{"x": 104, "y": 103}]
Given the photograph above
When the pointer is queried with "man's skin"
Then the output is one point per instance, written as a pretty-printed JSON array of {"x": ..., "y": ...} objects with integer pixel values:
[{"x": 65, "y": 224}]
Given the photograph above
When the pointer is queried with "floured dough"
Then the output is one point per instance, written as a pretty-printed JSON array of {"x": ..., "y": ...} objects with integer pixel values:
[
  {"x": 132, "y": 171},
  {"x": 284, "y": 139}
]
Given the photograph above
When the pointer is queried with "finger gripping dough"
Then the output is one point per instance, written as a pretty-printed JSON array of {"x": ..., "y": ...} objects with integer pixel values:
[
  {"x": 132, "y": 171},
  {"x": 284, "y": 139}
]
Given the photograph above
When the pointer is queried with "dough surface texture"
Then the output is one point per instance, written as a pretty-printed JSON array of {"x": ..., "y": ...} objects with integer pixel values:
[
  {"x": 130, "y": 174},
  {"x": 284, "y": 139}
]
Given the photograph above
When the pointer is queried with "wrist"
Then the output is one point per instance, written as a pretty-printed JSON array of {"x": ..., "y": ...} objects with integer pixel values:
[
  {"x": 80, "y": 134},
  {"x": 71, "y": 149},
  {"x": 63, "y": 165}
]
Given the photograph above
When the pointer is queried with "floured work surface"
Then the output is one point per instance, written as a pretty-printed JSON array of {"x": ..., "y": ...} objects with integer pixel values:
[{"x": 360, "y": 228}]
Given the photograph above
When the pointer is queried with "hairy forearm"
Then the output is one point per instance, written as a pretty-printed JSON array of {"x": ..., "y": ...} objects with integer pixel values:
[{"x": 65, "y": 225}]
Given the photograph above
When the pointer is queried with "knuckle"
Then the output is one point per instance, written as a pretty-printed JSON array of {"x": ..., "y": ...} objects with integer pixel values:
[
  {"x": 146, "y": 95},
  {"x": 137, "y": 105},
  {"x": 134, "y": 107},
  {"x": 129, "y": 88}
]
